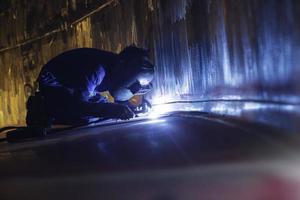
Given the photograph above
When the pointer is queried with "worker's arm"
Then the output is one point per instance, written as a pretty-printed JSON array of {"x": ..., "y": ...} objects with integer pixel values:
[
  {"x": 90, "y": 79},
  {"x": 138, "y": 104}
]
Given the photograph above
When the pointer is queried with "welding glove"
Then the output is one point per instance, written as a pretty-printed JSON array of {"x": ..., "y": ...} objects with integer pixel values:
[
  {"x": 144, "y": 107},
  {"x": 98, "y": 98}
]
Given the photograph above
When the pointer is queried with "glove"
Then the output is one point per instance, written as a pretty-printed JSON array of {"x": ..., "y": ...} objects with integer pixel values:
[
  {"x": 98, "y": 98},
  {"x": 143, "y": 108}
]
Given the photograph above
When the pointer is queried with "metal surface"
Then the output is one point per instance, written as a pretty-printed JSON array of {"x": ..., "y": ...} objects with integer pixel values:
[
  {"x": 246, "y": 49},
  {"x": 183, "y": 155}
]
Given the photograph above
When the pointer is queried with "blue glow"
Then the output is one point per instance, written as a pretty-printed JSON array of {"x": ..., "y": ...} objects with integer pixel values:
[
  {"x": 212, "y": 51},
  {"x": 154, "y": 121}
]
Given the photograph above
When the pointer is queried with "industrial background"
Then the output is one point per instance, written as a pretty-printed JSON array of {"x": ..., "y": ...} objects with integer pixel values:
[{"x": 203, "y": 49}]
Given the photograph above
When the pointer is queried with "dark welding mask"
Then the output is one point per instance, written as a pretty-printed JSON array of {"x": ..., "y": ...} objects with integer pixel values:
[
  {"x": 126, "y": 93},
  {"x": 140, "y": 84},
  {"x": 137, "y": 74}
]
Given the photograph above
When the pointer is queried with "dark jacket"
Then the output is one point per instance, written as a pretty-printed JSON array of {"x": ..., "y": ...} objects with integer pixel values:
[
  {"x": 67, "y": 83},
  {"x": 79, "y": 72}
]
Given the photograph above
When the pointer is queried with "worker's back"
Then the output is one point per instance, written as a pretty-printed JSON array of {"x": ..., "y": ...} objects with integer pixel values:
[{"x": 73, "y": 68}]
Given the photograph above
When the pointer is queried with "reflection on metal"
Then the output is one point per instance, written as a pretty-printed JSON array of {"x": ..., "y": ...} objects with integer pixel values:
[
  {"x": 285, "y": 117},
  {"x": 228, "y": 50},
  {"x": 154, "y": 121},
  {"x": 182, "y": 156},
  {"x": 202, "y": 49}
]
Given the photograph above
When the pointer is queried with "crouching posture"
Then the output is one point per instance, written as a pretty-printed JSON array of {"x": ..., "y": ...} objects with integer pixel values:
[{"x": 71, "y": 84}]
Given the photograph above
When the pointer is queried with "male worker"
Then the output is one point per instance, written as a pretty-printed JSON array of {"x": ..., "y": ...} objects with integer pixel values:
[{"x": 70, "y": 83}]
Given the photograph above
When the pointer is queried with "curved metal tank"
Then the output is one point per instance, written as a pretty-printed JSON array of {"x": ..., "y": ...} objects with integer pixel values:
[{"x": 180, "y": 155}]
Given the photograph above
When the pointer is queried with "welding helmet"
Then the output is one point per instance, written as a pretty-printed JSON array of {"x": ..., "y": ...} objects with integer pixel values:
[{"x": 137, "y": 74}]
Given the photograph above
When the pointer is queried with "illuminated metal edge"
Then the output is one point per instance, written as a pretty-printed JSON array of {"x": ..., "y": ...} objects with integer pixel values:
[
  {"x": 276, "y": 114},
  {"x": 285, "y": 117}
]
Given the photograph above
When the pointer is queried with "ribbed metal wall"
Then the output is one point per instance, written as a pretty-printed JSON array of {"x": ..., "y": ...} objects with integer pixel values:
[{"x": 203, "y": 49}]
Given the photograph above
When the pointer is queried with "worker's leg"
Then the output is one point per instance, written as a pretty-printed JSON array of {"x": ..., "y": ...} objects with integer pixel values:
[
  {"x": 66, "y": 108},
  {"x": 63, "y": 107}
]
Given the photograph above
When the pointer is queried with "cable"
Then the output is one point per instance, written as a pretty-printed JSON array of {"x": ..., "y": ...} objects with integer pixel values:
[
  {"x": 21, "y": 133},
  {"x": 60, "y": 29},
  {"x": 7, "y": 128}
]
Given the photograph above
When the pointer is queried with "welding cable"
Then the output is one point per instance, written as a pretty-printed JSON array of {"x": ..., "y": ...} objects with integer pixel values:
[
  {"x": 72, "y": 25},
  {"x": 21, "y": 133},
  {"x": 8, "y": 128},
  {"x": 11, "y": 132}
]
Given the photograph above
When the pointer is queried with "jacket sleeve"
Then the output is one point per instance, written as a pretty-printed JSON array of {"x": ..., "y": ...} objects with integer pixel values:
[{"x": 90, "y": 80}]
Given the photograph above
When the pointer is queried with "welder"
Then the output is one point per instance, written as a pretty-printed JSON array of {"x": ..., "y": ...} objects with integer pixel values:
[{"x": 84, "y": 83}]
